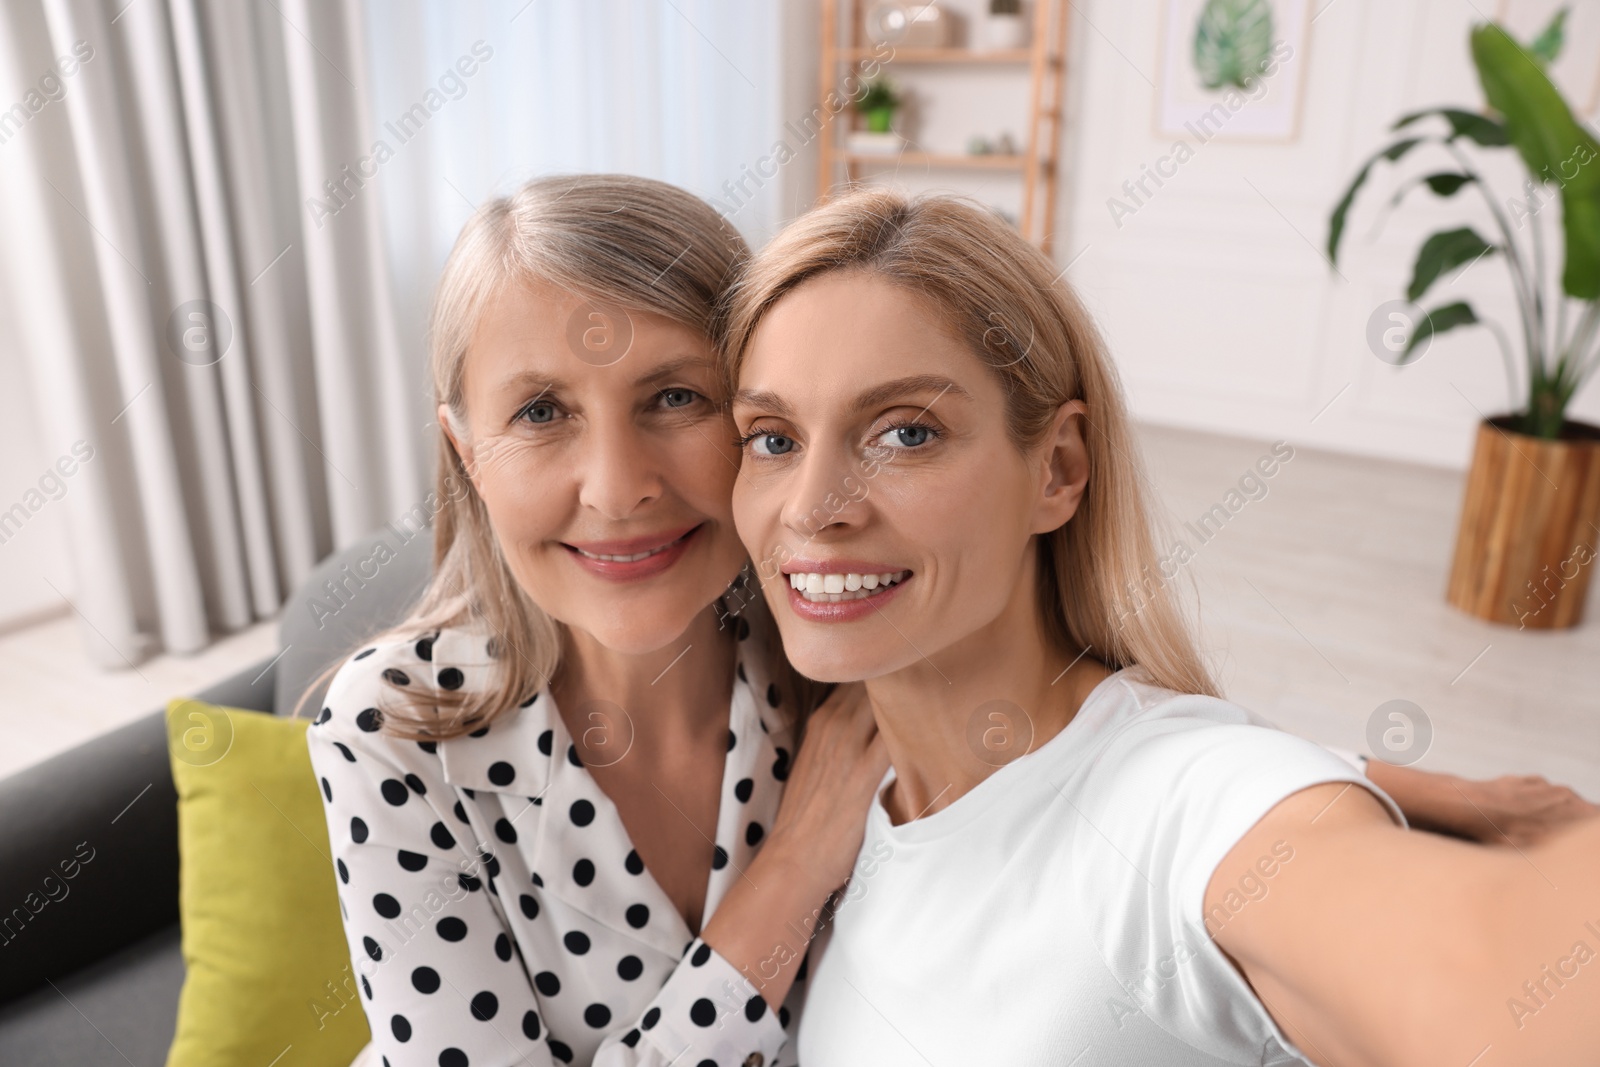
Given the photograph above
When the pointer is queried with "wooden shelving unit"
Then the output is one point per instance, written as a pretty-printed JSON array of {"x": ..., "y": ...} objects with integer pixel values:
[{"x": 1038, "y": 163}]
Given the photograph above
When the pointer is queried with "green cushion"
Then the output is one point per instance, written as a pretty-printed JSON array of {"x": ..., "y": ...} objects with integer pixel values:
[{"x": 269, "y": 978}]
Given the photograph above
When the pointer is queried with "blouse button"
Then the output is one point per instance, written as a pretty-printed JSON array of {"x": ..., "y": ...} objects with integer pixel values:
[{"x": 755, "y": 1059}]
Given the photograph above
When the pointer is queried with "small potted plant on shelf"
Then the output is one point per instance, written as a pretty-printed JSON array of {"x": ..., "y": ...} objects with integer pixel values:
[
  {"x": 877, "y": 102},
  {"x": 1530, "y": 523}
]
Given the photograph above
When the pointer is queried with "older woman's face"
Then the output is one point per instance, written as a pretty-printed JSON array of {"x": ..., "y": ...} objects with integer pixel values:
[
  {"x": 889, "y": 513},
  {"x": 606, "y": 479}
]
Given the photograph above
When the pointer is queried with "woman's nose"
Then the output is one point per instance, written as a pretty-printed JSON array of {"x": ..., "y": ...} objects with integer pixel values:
[
  {"x": 618, "y": 471},
  {"x": 822, "y": 497}
]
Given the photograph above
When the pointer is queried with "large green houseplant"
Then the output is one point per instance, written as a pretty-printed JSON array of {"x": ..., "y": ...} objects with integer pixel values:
[{"x": 1522, "y": 546}]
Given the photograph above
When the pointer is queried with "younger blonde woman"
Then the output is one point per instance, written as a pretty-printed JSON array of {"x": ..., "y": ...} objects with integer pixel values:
[{"x": 1155, "y": 876}]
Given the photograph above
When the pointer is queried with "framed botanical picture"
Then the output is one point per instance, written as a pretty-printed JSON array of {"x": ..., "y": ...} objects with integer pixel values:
[{"x": 1233, "y": 69}]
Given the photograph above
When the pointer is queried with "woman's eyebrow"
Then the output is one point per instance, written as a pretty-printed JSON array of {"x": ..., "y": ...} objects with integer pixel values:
[
  {"x": 672, "y": 368},
  {"x": 878, "y": 396}
]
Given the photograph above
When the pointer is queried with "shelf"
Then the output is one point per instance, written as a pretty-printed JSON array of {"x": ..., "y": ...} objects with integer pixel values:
[
  {"x": 942, "y": 55},
  {"x": 993, "y": 161}
]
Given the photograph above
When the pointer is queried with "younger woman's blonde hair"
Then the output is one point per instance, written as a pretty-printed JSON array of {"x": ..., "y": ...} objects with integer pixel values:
[
  {"x": 623, "y": 242},
  {"x": 1101, "y": 588}
]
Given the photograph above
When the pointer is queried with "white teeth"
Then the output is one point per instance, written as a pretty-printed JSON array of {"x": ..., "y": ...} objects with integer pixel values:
[
  {"x": 832, "y": 588},
  {"x": 634, "y": 558}
]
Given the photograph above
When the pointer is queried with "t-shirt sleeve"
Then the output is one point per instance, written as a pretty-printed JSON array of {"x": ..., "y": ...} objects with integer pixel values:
[{"x": 1165, "y": 801}]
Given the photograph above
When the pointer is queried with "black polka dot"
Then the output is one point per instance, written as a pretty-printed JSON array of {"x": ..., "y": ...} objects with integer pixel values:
[
  {"x": 597, "y": 1016},
  {"x": 701, "y": 955},
  {"x": 719, "y": 858},
  {"x": 703, "y": 1012},
  {"x": 460, "y": 812},
  {"x": 424, "y": 649},
  {"x": 530, "y": 906},
  {"x": 583, "y": 872},
  {"x": 364, "y": 653},
  {"x": 708, "y": 1063},
  {"x": 629, "y": 968},
  {"x": 358, "y": 830},
  {"x": 651, "y": 1017},
  {"x": 577, "y": 942},
  {"x": 743, "y": 789},
  {"x": 401, "y": 1026},
  {"x": 534, "y": 875},
  {"x": 638, "y": 916},
  {"x": 468, "y": 882},
  {"x": 783, "y": 1017},
  {"x": 394, "y": 791},
  {"x": 396, "y": 676},
  {"x": 753, "y": 834},
  {"x": 386, "y": 905},
  {"x": 772, "y": 694},
  {"x": 369, "y": 720},
  {"x": 502, "y": 948},
  {"x": 733, "y": 739},
  {"x": 547, "y": 741},
  {"x": 327, "y": 790},
  {"x": 755, "y": 1008},
  {"x": 416, "y": 785},
  {"x": 484, "y": 1005},
  {"x": 441, "y": 836},
  {"x": 366, "y": 987},
  {"x": 572, "y": 756},
  {"x": 560, "y": 1051},
  {"x": 631, "y": 1038},
  {"x": 529, "y": 702},
  {"x": 479, "y": 732},
  {"x": 501, "y": 772},
  {"x": 530, "y": 1025},
  {"x": 453, "y": 1057},
  {"x": 451, "y": 928},
  {"x": 344, "y": 872},
  {"x": 373, "y": 948},
  {"x": 740, "y": 670},
  {"x": 780, "y": 766},
  {"x": 633, "y": 863},
  {"x": 425, "y": 980},
  {"x": 451, "y": 678},
  {"x": 744, "y": 629},
  {"x": 344, "y": 750},
  {"x": 582, "y": 813},
  {"x": 547, "y": 983},
  {"x": 411, "y": 861},
  {"x": 430, "y": 747}
]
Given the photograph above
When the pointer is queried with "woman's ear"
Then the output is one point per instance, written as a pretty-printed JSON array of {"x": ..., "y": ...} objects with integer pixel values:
[
  {"x": 1065, "y": 471},
  {"x": 463, "y": 453}
]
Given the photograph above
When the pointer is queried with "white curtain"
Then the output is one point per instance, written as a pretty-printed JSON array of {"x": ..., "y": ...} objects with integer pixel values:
[
  {"x": 687, "y": 91},
  {"x": 223, "y": 221},
  {"x": 233, "y": 366}
]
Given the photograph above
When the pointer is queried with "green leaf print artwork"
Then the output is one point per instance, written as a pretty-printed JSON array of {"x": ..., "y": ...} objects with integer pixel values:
[{"x": 1231, "y": 40}]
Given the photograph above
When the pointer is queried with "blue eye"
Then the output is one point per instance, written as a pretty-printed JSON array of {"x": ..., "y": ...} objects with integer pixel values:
[
  {"x": 678, "y": 398},
  {"x": 539, "y": 413},
  {"x": 906, "y": 436},
  {"x": 771, "y": 444}
]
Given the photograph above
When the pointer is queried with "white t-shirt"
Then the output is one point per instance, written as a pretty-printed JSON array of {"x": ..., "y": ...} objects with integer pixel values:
[{"x": 1053, "y": 914}]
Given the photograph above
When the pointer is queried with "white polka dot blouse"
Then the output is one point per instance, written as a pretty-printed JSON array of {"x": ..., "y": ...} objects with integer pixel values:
[{"x": 497, "y": 912}]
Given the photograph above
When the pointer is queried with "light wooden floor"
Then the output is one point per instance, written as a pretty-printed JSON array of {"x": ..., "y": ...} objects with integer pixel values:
[{"x": 1322, "y": 600}]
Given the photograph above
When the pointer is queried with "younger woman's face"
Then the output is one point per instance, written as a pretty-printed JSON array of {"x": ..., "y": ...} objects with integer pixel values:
[
  {"x": 604, "y": 464},
  {"x": 889, "y": 514}
]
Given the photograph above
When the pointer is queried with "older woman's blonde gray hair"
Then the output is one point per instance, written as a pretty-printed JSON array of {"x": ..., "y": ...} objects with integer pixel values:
[
  {"x": 1101, "y": 587},
  {"x": 621, "y": 241}
]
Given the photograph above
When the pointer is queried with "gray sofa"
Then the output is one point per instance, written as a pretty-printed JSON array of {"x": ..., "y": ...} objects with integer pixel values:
[{"x": 92, "y": 976}]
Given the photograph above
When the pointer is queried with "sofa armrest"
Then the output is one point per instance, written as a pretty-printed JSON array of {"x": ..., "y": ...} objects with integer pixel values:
[{"x": 89, "y": 844}]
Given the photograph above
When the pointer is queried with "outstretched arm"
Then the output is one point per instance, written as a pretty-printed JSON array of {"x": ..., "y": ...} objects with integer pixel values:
[{"x": 1379, "y": 946}]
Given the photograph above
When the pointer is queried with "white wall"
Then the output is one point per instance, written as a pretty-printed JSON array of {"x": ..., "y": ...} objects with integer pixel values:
[{"x": 1215, "y": 296}]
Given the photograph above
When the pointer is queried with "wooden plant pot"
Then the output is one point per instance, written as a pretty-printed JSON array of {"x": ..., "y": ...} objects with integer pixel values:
[{"x": 1529, "y": 538}]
